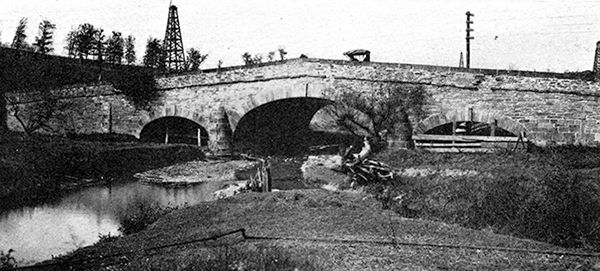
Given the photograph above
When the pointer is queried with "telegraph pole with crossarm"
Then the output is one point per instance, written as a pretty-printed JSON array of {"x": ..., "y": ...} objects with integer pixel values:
[{"x": 469, "y": 38}]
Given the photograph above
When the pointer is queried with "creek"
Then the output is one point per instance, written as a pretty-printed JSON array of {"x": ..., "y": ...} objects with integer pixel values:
[{"x": 79, "y": 218}]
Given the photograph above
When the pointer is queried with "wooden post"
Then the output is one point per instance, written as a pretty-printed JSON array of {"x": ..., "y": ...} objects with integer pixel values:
[
  {"x": 167, "y": 135},
  {"x": 268, "y": 179},
  {"x": 493, "y": 127},
  {"x": 199, "y": 138},
  {"x": 110, "y": 128},
  {"x": 454, "y": 126},
  {"x": 306, "y": 91}
]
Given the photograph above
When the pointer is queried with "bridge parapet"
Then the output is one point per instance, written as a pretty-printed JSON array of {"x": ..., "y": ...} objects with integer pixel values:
[{"x": 439, "y": 76}]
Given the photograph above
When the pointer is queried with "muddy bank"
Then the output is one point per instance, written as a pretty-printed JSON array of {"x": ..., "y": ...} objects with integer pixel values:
[{"x": 193, "y": 172}]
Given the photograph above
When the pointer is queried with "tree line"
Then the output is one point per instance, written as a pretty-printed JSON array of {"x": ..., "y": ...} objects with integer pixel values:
[{"x": 93, "y": 43}]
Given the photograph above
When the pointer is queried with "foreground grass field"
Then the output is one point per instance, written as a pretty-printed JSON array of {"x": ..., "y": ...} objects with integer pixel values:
[
  {"x": 551, "y": 195},
  {"x": 301, "y": 217}
]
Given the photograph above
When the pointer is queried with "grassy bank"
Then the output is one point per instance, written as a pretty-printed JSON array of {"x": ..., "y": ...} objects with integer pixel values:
[
  {"x": 301, "y": 216},
  {"x": 551, "y": 195},
  {"x": 38, "y": 168}
]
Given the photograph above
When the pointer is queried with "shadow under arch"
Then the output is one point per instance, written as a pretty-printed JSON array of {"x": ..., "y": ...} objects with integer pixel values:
[
  {"x": 174, "y": 129},
  {"x": 280, "y": 126}
]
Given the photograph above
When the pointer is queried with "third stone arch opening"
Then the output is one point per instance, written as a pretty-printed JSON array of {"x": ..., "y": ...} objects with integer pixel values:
[{"x": 466, "y": 133}]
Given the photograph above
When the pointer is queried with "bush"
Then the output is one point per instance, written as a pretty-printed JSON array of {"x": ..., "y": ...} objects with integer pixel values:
[
  {"x": 7, "y": 261},
  {"x": 551, "y": 195},
  {"x": 561, "y": 208},
  {"x": 141, "y": 216}
]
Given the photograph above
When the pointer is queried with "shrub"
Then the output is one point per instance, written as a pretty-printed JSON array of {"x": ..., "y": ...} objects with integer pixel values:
[
  {"x": 141, "y": 216},
  {"x": 7, "y": 261},
  {"x": 551, "y": 195}
]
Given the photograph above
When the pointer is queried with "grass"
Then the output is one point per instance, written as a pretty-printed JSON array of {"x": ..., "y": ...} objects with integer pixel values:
[
  {"x": 312, "y": 214},
  {"x": 551, "y": 195}
]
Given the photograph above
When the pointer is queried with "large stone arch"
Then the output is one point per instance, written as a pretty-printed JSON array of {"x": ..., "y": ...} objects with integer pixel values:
[
  {"x": 470, "y": 114},
  {"x": 236, "y": 113},
  {"x": 279, "y": 125}
]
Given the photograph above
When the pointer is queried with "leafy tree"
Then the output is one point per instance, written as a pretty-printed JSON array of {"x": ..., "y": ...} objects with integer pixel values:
[
  {"x": 250, "y": 60},
  {"x": 139, "y": 86},
  {"x": 71, "y": 46},
  {"x": 115, "y": 48},
  {"x": 154, "y": 54},
  {"x": 98, "y": 44},
  {"x": 82, "y": 41},
  {"x": 194, "y": 59},
  {"x": 247, "y": 57},
  {"x": 380, "y": 113},
  {"x": 20, "y": 36},
  {"x": 257, "y": 59},
  {"x": 271, "y": 56},
  {"x": 43, "y": 43},
  {"x": 130, "y": 56},
  {"x": 282, "y": 53}
]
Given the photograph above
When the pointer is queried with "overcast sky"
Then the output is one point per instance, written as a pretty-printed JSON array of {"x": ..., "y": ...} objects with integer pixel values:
[{"x": 542, "y": 35}]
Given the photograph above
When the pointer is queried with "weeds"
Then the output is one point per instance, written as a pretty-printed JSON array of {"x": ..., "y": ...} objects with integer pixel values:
[
  {"x": 233, "y": 258},
  {"x": 141, "y": 216},
  {"x": 548, "y": 195},
  {"x": 7, "y": 261}
]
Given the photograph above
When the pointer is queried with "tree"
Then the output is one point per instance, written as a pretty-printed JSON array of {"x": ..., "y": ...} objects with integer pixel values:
[
  {"x": 71, "y": 46},
  {"x": 115, "y": 48},
  {"x": 382, "y": 113},
  {"x": 82, "y": 41},
  {"x": 282, "y": 53},
  {"x": 247, "y": 57},
  {"x": 98, "y": 44},
  {"x": 37, "y": 115},
  {"x": 139, "y": 86},
  {"x": 20, "y": 36},
  {"x": 250, "y": 60},
  {"x": 130, "y": 50},
  {"x": 271, "y": 56},
  {"x": 43, "y": 43},
  {"x": 194, "y": 59},
  {"x": 154, "y": 54},
  {"x": 257, "y": 59}
]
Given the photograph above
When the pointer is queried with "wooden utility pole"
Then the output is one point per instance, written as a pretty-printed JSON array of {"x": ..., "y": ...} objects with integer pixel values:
[{"x": 469, "y": 38}]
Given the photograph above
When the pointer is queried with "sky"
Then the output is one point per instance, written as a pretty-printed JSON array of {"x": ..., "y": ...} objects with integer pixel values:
[{"x": 540, "y": 35}]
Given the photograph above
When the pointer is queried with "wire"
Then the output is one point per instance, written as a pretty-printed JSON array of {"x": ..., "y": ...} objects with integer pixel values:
[{"x": 393, "y": 242}]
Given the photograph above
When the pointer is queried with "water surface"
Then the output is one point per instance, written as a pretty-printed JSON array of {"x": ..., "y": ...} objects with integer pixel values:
[{"x": 78, "y": 219}]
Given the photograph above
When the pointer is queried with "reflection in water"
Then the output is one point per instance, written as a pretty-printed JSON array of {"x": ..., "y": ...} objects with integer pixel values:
[{"x": 38, "y": 233}]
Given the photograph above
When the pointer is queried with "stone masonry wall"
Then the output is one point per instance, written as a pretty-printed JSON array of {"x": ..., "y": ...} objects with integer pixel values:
[{"x": 549, "y": 109}]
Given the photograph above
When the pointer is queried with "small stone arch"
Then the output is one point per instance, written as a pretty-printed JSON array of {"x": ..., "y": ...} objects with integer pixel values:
[
  {"x": 196, "y": 115},
  {"x": 470, "y": 114},
  {"x": 174, "y": 129}
]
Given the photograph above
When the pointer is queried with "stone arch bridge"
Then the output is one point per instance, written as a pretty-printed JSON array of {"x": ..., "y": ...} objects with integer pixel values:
[{"x": 547, "y": 107}]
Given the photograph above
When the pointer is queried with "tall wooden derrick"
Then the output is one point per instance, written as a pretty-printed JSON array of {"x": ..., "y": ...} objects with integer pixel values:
[{"x": 174, "y": 56}]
